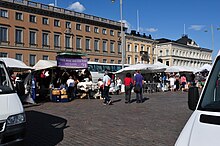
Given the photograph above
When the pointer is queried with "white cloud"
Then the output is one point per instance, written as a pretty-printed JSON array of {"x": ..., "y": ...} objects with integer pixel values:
[
  {"x": 151, "y": 29},
  {"x": 52, "y": 4},
  {"x": 76, "y": 7},
  {"x": 197, "y": 27}
]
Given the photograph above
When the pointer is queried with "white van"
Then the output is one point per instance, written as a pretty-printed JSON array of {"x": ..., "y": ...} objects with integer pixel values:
[
  {"x": 203, "y": 127},
  {"x": 12, "y": 116}
]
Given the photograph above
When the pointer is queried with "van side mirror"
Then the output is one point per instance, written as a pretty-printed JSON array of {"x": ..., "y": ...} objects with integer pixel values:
[{"x": 193, "y": 97}]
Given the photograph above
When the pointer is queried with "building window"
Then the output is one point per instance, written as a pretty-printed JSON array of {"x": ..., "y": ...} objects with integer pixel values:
[
  {"x": 148, "y": 50},
  {"x": 112, "y": 48},
  {"x": 3, "y": 34},
  {"x": 3, "y": 54},
  {"x": 129, "y": 59},
  {"x": 104, "y": 46},
  {"x": 119, "y": 34},
  {"x": 57, "y": 40},
  {"x": 104, "y": 61},
  {"x": 96, "y": 60},
  {"x": 161, "y": 53},
  {"x": 129, "y": 47},
  {"x": 18, "y": 36},
  {"x": 96, "y": 29},
  {"x": 33, "y": 19},
  {"x": 167, "y": 63},
  {"x": 68, "y": 24},
  {"x": 136, "y": 60},
  {"x": 167, "y": 52},
  {"x": 45, "y": 39},
  {"x": 96, "y": 45},
  {"x": 142, "y": 48},
  {"x": 4, "y": 13},
  {"x": 19, "y": 57},
  {"x": 78, "y": 43},
  {"x": 119, "y": 47},
  {"x": 78, "y": 26},
  {"x": 87, "y": 44},
  {"x": 112, "y": 61},
  {"x": 119, "y": 61},
  {"x": 104, "y": 31},
  {"x": 136, "y": 48},
  {"x": 112, "y": 32},
  {"x": 45, "y": 57},
  {"x": 87, "y": 28},
  {"x": 68, "y": 42},
  {"x": 32, "y": 38},
  {"x": 18, "y": 16},
  {"x": 32, "y": 60},
  {"x": 45, "y": 21},
  {"x": 57, "y": 23}
]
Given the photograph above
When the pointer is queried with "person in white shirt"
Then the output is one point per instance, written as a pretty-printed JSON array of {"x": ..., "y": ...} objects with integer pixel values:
[
  {"x": 106, "y": 81},
  {"x": 172, "y": 83},
  {"x": 118, "y": 84},
  {"x": 70, "y": 84}
]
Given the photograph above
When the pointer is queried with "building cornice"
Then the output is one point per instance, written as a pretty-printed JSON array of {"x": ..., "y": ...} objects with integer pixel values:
[
  {"x": 51, "y": 11},
  {"x": 186, "y": 46}
]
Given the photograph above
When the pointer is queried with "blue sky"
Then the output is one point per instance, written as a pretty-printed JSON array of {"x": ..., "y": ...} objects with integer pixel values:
[{"x": 160, "y": 18}]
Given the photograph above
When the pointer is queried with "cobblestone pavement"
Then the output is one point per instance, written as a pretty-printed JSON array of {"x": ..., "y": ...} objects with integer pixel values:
[{"x": 87, "y": 122}]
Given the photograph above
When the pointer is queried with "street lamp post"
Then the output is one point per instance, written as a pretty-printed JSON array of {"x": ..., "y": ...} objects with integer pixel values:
[{"x": 122, "y": 36}]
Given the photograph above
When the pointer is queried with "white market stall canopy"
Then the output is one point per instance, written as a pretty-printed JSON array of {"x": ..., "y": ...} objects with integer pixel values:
[
  {"x": 171, "y": 69},
  {"x": 15, "y": 65},
  {"x": 44, "y": 64},
  {"x": 144, "y": 68},
  {"x": 205, "y": 67}
]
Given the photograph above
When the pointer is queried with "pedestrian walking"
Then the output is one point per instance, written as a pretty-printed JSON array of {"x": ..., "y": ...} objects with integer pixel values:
[
  {"x": 70, "y": 84},
  {"x": 128, "y": 82},
  {"x": 138, "y": 83},
  {"x": 172, "y": 83},
  {"x": 183, "y": 82},
  {"x": 107, "y": 83}
]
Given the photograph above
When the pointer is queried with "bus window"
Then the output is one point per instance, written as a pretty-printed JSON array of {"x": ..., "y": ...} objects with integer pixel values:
[
  {"x": 107, "y": 67},
  {"x": 91, "y": 67},
  {"x": 99, "y": 68}
]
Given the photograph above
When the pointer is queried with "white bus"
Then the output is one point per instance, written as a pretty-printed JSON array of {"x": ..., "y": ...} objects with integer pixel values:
[{"x": 97, "y": 69}]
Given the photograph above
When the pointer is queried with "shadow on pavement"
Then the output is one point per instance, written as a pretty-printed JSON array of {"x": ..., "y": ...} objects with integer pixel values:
[{"x": 44, "y": 129}]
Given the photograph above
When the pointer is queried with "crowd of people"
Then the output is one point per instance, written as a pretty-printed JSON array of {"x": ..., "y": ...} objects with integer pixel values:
[{"x": 39, "y": 83}]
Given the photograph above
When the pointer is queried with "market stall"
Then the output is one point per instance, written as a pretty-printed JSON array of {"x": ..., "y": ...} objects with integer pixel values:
[{"x": 57, "y": 73}]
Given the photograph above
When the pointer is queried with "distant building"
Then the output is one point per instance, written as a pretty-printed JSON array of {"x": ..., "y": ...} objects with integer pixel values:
[
  {"x": 182, "y": 52},
  {"x": 139, "y": 48},
  {"x": 31, "y": 31}
]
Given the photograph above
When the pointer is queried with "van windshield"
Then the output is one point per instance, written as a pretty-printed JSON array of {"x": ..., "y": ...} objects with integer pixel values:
[
  {"x": 210, "y": 100},
  {"x": 5, "y": 82}
]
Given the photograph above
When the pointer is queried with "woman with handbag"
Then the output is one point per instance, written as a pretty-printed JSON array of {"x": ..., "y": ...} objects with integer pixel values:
[{"x": 128, "y": 82}]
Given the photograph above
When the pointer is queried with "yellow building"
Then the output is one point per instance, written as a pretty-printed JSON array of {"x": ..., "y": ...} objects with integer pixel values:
[
  {"x": 31, "y": 31},
  {"x": 140, "y": 48}
]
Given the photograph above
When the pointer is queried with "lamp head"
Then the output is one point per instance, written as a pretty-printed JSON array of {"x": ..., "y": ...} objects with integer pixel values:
[{"x": 113, "y": 1}]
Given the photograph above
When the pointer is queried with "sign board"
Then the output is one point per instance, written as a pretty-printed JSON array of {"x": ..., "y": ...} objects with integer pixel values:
[{"x": 72, "y": 62}]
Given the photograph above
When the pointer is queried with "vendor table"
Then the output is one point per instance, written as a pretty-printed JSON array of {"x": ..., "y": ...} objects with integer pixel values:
[{"x": 59, "y": 95}]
